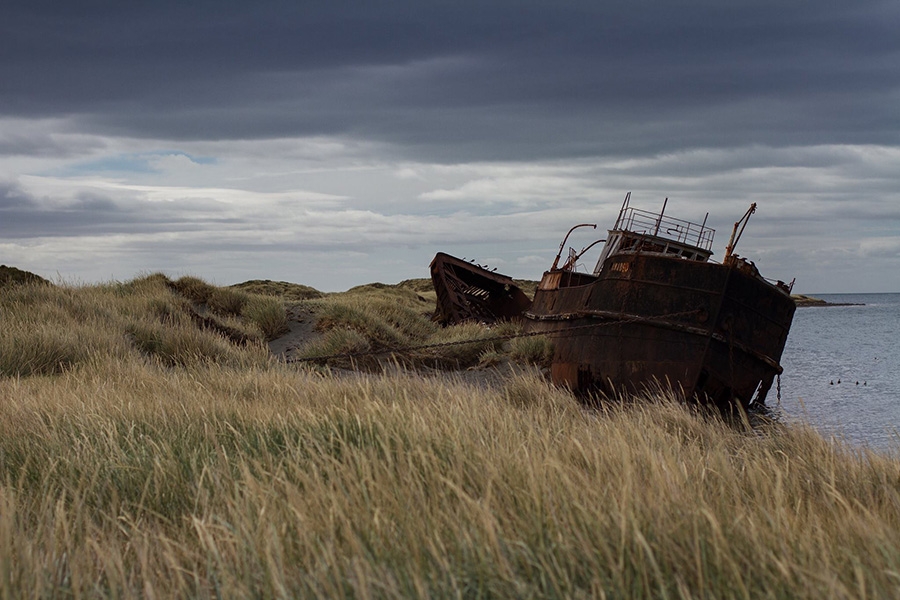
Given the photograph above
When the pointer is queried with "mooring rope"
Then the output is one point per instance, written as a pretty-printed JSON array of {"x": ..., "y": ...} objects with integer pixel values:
[{"x": 496, "y": 338}]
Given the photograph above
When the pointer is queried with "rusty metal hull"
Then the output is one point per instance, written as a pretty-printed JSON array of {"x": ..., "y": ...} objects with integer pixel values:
[
  {"x": 716, "y": 332},
  {"x": 468, "y": 292}
]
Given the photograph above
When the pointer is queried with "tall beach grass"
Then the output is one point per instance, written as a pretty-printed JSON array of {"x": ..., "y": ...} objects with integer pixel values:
[
  {"x": 232, "y": 475},
  {"x": 382, "y": 320}
]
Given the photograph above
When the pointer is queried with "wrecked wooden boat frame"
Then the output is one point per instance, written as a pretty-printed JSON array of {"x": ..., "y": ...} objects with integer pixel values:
[{"x": 470, "y": 292}]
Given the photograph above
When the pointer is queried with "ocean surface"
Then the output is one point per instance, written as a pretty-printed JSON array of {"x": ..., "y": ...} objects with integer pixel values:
[{"x": 842, "y": 369}]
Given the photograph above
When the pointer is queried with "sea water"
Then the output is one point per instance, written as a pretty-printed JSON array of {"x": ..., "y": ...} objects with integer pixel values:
[{"x": 842, "y": 369}]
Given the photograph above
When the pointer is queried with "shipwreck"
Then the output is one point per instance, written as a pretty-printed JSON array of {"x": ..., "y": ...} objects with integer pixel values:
[
  {"x": 655, "y": 310},
  {"x": 469, "y": 292}
]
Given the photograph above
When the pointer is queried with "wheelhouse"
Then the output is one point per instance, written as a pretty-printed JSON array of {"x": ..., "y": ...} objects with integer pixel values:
[{"x": 640, "y": 231}]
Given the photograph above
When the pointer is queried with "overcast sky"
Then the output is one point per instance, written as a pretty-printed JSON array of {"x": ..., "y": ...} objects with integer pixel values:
[{"x": 339, "y": 143}]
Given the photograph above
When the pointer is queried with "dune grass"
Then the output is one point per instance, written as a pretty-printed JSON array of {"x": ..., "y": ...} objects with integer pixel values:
[
  {"x": 135, "y": 481},
  {"x": 379, "y": 317},
  {"x": 535, "y": 350},
  {"x": 14, "y": 276},
  {"x": 282, "y": 289},
  {"x": 231, "y": 475},
  {"x": 51, "y": 329}
]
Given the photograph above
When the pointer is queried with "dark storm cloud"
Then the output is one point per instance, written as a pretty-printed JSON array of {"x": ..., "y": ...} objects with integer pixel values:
[{"x": 463, "y": 80}]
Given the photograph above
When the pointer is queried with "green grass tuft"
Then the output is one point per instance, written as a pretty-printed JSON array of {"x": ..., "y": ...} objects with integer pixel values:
[
  {"x": 536, "y": 350},
  {"x": 267, "y": 314},
  {"x": 336, "y": 342},
  {"x": 227, "y": 302},
  {"x": 194, "y": 289}
]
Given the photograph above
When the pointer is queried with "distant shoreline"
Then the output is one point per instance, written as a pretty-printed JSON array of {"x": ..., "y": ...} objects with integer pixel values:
[{"x": 803, "y": 301}]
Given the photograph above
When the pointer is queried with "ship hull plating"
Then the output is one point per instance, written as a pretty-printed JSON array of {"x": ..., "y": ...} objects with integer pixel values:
[{"x": 711, "y": 331}]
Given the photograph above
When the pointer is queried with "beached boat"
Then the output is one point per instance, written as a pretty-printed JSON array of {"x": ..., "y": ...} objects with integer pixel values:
[
  {"x": 656, "y": 310},
  {"x": 469, "y": 292}
]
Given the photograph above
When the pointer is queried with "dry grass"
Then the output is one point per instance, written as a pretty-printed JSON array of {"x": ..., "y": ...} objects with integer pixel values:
[
  {"x": 289, "y": 291},
  {"x": 373, "y": 317},
  {"x": 394, "y": 317},
  {"x": 122, "y": 475},
  {"x": 14, "y": 276},
  {"x": 535, "y": 350},
  {"x": 51, "y": 329}
]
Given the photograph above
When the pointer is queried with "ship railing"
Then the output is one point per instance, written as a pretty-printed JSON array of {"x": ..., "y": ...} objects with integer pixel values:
[{"x": 648, "y": 223}]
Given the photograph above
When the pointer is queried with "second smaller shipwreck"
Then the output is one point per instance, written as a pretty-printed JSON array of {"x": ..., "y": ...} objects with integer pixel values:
[{"x": 469, "y": 292}]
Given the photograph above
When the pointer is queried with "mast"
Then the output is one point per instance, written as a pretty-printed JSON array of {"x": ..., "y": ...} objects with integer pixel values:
[
  {"x": 735, "y": 234},
  {"x": 659, "y": 220}
]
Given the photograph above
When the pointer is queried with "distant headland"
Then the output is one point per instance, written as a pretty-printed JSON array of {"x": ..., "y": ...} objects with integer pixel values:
[{"x": 802, "y": 300}]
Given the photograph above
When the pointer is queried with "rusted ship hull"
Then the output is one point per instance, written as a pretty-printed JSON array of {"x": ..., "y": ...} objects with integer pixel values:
[
  {"x": 654, "y": 311},
  {"x": 712, "y": 331}
]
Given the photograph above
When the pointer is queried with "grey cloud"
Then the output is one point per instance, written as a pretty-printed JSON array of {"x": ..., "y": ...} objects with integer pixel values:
[
  {"x": 89, "y": 202},
  {"x": 463, "y": 80},
  {"x": 41, "y": 144},
  {"x": 12, "y": 197},
  {"x": 23, "y": 216},
  {"x": 714, "y": 104}
]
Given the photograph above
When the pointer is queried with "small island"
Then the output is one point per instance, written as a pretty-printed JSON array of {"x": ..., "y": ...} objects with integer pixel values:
[{"x": 801, "y": 301}]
